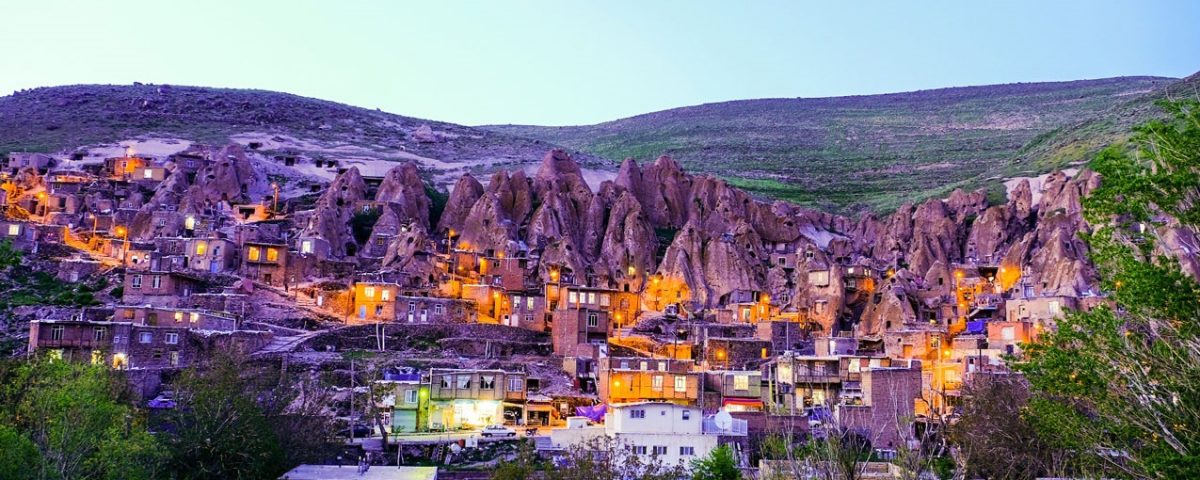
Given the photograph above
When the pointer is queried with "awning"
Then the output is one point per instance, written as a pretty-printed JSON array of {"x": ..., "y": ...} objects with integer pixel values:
[{"x": 744, "y": 402}]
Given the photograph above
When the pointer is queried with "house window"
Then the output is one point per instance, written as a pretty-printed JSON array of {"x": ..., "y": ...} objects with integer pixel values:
[
  {"x": 487, "y": 381},
  {"x": 156, "y": 281},
  {"x": 145, "y": 337},
  {"x": 445, "y": 381},
  {"x": 97, "y": 357},
  {"x": 656, "y": 383},
  {"x": 253, "y": 254},
  {"x": 687, "y": 451},
  {"x": 178, "y": 317},
  {"x": 687, "y": 414},
  {"x": 591, "y": 298},
  {"x": 189, "y": 222},
  {"x": 378, "y": 310},
  {"x": 464, "y": 381},
  {"x": 384, "y": 294},
  {"x": 148, "y": 173},
  {"x": 572, "y": 297},
  {"x": 174, "y": 358},
  {"x": 516, "y": 384},
  {"x": 529, "y": 303},
  {"x": 660, "y": 450},
  {"x": 637, "y": 413},
  {"x": 516, "y": 302},
  {"x": 56, "y": 332},
  {"x": 593, "y": 320},
  {"x": 680, "y": 383},
  {"x": 172, "y": 338},
  {"x": 306, "y": 246},
  {"x": 194, "y": 317},
  {"x": 369, "y": 292},
  {"x": 99, "y": 333},
  {"x": 272, "y": 254},
  {"x": 1008, "y": 333},
  {"x": 639, "y": 449},
  {"x": 201, "y": 248},
  {"x": 410, "y": 396},
  {"x": 136, "y": 281},
  {"x": 14, "y": 229},
  {"x": 412, "y": 307},
  {"x": 604, "y": 300},
  {"x": 741, "y": 382},
  {"x": 1055, "y": 308},
  {"x": 438, "y": 308}
]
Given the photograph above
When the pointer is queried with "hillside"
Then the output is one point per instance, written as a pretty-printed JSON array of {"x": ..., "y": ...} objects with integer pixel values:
[
  {"x": 53, "y": 119},
  {"x": 1073, "y": 142},
  {"x": 850, "y": 153}
]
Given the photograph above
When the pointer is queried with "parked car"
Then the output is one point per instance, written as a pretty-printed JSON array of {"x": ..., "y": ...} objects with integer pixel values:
[
  {"x": 359, "y": 429},
  {"x": 498, "y": 431}
]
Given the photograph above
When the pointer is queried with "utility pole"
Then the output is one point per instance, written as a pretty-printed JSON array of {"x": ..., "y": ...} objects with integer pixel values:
[{"x": 351, "y": 400}]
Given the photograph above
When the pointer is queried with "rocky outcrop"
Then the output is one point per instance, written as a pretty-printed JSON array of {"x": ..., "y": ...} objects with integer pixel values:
[
  {"x": 334, "y": 209},
  {"x": 465, "y": 194},
  {"x": 402, "y": 186}
]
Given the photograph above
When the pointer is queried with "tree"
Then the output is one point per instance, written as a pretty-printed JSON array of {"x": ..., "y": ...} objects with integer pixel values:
[
  {"x": 218, "y": 429},
  {"x": 1116, "y": 387},
  {"x": 992, "y": 435},
  {"x": 605, "y": 458},
  {"x": 521, "y": 466},
  {"x": 19, "y": 457},
  {"x": 79, "y": 418},
  {"x": 719, "y": 464}
]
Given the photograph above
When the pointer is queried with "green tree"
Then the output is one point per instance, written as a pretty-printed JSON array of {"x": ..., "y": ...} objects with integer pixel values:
[
  {"x": 80, "y": 419},
  {"x": 1117, "y": 388},
  {"x": 719, "y": 464},
  {"x": 219, "y": 428},
  {"x": 19, "y": 457}
]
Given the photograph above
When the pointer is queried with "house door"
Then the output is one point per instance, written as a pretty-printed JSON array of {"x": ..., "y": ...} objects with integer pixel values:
[
  {"x": 214, "y": 267},
  {"x": 362, "y": 311},
  {"x": 424, "y": 315}
]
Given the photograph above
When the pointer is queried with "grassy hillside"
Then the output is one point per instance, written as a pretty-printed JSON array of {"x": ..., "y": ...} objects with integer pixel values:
[
  {"x": 861, "y": 152},
  {"x": 56, "y": 118}
]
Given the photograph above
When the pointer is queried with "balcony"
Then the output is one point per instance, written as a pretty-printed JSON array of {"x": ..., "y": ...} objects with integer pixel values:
[{"x": 736, "y": 428}]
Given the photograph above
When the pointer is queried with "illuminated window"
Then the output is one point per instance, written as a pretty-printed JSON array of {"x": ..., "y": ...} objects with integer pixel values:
[
  {"x": 14, "y": 229},
  {"x": 591, "y": 298},
  {"x": 97, "y": 357},
  {"x": 194, "y": 317},
  {"x": 529, "y": 303},
  {"x": 741, "y": 382},
  {"x": 189, "y": 222},
  {"x": 656, "y": 383},
  {"x": 680, "y": 383},
  {"x": 172, "y": 338},
  {"x": 1055, "y": 307},
  {"x": 201, "y": 248},
  {"x": 306, "y": 246},
  {"x": 369, "y": 292},
  {"x": 603, "y": 299},
  {"x": 272, "y": 254},
  {"x": 178, "y": 316},
  {"x": 253, "y": 254},
  {"x": 516, "y": 384},
  {"x": 572, "y": 297},
  {"x": 56, "y": 354},
  {"x": 516, "y": 300},
  {"x": 148, "y": 173},
  {"x": 385, "y": 294},
  {"x": 593, "y": 320},
  {"x": 174, "y": 358}
]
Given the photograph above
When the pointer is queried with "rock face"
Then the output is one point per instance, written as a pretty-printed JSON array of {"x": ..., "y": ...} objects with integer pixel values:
[
  {"x": 224, "y": 181},
  {"x": 403, "y": 186},
  {"x": 335, "y": 208},
  {"x": 465, "y": 194}
]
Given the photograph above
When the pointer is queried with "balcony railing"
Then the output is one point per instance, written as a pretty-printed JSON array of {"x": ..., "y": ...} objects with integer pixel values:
[{"x": 737, "y": 427}]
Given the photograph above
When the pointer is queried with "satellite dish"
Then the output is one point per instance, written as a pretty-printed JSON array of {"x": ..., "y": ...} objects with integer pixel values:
[{"x": 723, "y": 420}]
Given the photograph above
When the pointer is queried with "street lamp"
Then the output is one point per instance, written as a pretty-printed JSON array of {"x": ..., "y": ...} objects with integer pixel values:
[{"x": 124, "y": 234}]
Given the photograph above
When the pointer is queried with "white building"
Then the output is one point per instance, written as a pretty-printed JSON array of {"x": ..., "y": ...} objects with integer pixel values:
[{"x": 671, "y": 433}]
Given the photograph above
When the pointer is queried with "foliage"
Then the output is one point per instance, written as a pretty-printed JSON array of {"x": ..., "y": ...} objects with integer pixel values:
[
  {"x": 604, "y": 458},
  {"x": 437, "y": 203},
  {"x": 719, "y": 464},
  {"x": 220, "y": 430},
  {"x": 78, "y": 419},
  {"x": 19, "y": 457},
  {"x": 1114, "y": 386},
  {"x": 992, "y": 437},
  {"x": 363, "y": 222},
  {"x": 522, "y": 466},
  {"x": 9, "y": 256}
]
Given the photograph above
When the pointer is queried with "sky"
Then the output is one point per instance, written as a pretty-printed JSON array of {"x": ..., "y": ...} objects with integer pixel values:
[{"x": 575, "y": 62}]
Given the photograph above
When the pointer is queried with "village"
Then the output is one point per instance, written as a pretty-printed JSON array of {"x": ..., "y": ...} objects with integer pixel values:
[{"x": 672, "y": 312}]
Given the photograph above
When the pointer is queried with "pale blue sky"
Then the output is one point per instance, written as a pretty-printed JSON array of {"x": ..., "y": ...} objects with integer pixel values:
[{"x": 567, "y": 62}]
